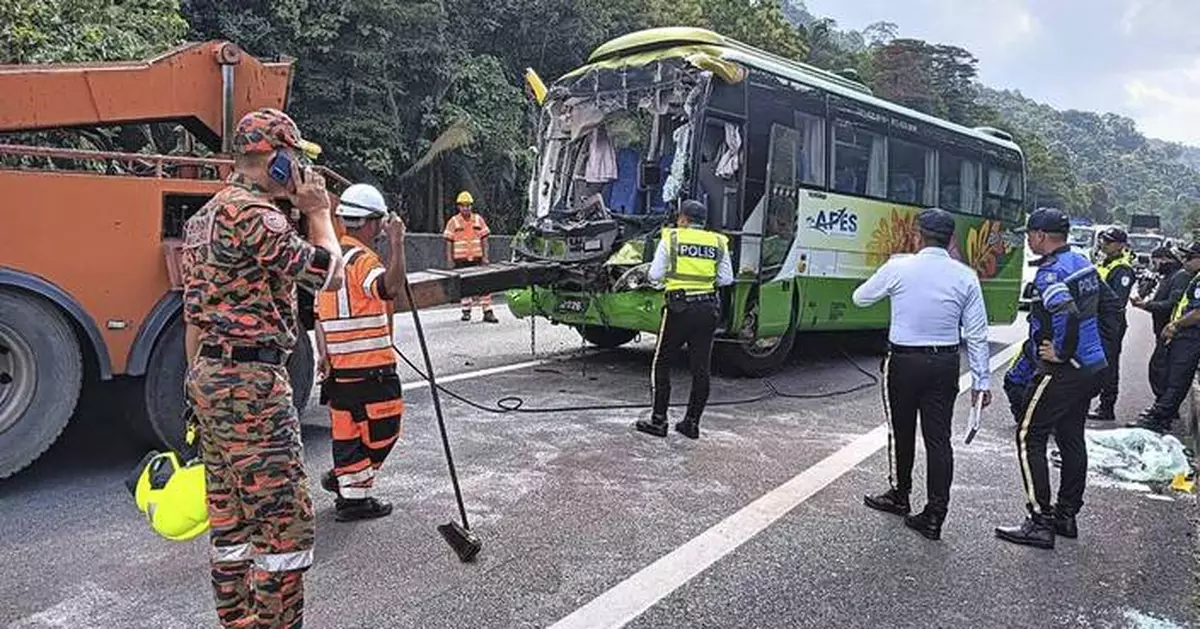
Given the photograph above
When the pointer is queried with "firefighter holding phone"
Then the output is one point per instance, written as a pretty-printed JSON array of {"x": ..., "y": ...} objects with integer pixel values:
[{"x": 242, "y": 263}]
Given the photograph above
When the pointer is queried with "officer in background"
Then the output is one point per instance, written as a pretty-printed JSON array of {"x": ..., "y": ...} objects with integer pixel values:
[
  {"x": 242, "y": 262},
  {"x": 936, "y": 302},
  {"x": 1117, "y": 272},
  {"x": 1064, "y": 326},
  {"x": 1173, "y": 279},
  {"x": 692, "y": 262},
  {"x": 466, "y": 236},
  {"x": 1182, "y": 338},
  {"x": 357, "y": 361}
]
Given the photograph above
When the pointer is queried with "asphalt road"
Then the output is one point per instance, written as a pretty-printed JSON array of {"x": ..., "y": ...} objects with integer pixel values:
[{"x": 572, "y": 504}]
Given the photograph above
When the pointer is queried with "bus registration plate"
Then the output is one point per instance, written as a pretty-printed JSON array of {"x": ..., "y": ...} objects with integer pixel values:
[{"x": 573, "y": 305}]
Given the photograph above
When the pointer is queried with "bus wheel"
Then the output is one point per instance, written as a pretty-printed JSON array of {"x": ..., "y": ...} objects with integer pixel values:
[
  {"x": 605, "y": 338},
  {"x": 756, "y": 358},
  {"x": 163, "y": 390},
  {"x": 41, "y": 375}
]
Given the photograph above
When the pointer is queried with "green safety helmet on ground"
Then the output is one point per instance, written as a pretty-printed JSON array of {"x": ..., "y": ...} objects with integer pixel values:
[{"x": 171, "y": 494}]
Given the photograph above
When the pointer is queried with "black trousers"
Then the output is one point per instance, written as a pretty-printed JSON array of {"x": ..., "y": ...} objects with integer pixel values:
[
  {"x": 1158, "y": 366},
  {"x": 692, "y": 323},
  {"x": 1183, "y": 352},
  {"x": 1110, "y": 378},
  {"x": 925, "y": 384},
  {"x": 1056, "y": 403}
]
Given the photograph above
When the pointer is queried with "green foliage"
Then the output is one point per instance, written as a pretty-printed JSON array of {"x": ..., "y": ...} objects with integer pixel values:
[{"x": 56, "y": 31}]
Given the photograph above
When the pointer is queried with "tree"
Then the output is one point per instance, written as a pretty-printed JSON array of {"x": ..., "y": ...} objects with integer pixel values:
[{"x": 59, "y": 31}]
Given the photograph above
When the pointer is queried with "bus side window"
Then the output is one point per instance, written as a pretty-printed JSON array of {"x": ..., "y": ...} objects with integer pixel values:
[
  {"x": 810, "y": 159},
  {"x": 910, "y": 169},
  {"x": 859, "y": 161},
  {"x": 959, "y": 181},
  {"x": 1002, "y": 198}
]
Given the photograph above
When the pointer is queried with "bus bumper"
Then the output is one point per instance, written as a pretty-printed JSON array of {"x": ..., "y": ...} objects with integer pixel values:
[{"x": 631, "y": 310}]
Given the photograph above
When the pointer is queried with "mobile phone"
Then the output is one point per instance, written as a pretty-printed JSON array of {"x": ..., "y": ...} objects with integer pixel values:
[{"x": 280, "y": 168}]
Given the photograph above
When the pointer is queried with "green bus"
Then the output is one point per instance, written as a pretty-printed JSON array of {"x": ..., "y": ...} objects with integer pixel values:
[{"x": 815, "y": 181}]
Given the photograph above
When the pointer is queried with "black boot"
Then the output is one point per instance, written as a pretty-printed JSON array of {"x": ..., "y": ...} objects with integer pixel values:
[
  {"x": 656, "y": 426},
  {"x": 329, "y": 483},
  {"x": 890, "y": 501},
  {"x": 490, "y": 317},
  {"x": 1103, "y": 413},
  {"x": 466, "y": 315},
  {"x": 689, "y": 428},
  {"x": 1036, "y": 530},
  {"x": 926, "y": 524},
  {"x": 1064, "y": 525},
  {"x": 1152, "y": 422},
  {"x": 361, "y": 509}
]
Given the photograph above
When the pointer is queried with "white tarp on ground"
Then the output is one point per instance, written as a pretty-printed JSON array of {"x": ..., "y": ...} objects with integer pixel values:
[{"x": 1135, "y": 454}]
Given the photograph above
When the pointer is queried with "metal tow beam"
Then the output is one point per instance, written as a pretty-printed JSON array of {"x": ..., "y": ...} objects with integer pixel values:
[{"x": 436, "y": 287}]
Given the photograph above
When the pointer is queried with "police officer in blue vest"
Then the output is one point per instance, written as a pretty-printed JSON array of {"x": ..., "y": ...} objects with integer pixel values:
[
  {"x": 1064, "y": 326},
  {"x": 692, "y": 262},
  {"x": 1117, "y": 272}
]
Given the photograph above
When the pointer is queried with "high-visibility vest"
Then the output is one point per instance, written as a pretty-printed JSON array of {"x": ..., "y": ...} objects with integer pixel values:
[
  {"x": 466, "y": 236},
  {"x": 356, "y": 320},
  {"x": 1185, "y": 298},
  {"x": 1108, "y": 266},
  {"x": 692, "y": 259}
]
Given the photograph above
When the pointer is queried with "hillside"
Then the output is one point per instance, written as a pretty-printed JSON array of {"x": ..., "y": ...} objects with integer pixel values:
[{"x": 1117, "y": 170}]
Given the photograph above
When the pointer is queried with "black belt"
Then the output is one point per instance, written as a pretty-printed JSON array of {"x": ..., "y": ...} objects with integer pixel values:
[
  {"x": 363, "y": 373},
  {"x": 269, "y": 355},
  {"x": 680, "y": 296},
  {"x": 923, "y": 349}
]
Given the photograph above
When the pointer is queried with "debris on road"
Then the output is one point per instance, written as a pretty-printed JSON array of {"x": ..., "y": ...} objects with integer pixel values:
[{"x": 1135, "y": 455}]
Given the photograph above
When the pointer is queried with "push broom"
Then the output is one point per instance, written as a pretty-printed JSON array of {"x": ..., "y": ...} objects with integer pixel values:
[{"x": 465, "y": 543}]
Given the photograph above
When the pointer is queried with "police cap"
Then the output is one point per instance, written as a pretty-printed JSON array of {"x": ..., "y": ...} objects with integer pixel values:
[
  {"x": 1047, "y": 219},
  {"x": 696, "y": 211},
  {"x": 1114, "y": 234},
  {"x": 1191, "y": 250},
  {"x": 1163, "y": 252},
  {"x": 936, "y": 221}
]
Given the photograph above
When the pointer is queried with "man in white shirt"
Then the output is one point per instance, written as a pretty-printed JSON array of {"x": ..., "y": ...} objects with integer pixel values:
[{"x": 933, "y": 298}]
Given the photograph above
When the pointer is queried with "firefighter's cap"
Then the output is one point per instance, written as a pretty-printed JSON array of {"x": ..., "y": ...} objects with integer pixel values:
[{"x": 269, "y": 129}]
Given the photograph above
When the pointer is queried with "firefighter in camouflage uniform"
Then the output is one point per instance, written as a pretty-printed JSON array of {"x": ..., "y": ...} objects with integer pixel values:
[{"x": 242, "y": 263}]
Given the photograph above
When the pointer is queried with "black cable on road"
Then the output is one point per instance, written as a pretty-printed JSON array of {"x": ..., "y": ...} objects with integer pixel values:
[{"x": 516, "y": 404}]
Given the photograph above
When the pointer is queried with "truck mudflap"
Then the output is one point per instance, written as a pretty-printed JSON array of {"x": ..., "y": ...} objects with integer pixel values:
[{"x": 436, "y": 287}]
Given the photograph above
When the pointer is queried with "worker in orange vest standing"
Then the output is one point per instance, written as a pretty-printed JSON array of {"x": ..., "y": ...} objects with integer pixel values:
[
  {"x": 357, "y": 362},
  {"x": 466, "y": 246}
]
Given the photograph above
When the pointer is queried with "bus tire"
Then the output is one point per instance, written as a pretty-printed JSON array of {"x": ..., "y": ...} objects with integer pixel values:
[
  {"x": 753, "y": 360},
  {"x": 605, "y": 338},
  {"x": 163, "y": 388},
  {"x": 37, "y": 396}
]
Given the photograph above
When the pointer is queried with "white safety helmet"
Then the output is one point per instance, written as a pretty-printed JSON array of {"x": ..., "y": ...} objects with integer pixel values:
[{"x": 362, "y": 201}]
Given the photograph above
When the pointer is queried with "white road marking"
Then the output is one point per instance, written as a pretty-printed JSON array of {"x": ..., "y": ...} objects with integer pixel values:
[
  {"x": 468, "y": 375},
  {"x": 630, "y": 598}
]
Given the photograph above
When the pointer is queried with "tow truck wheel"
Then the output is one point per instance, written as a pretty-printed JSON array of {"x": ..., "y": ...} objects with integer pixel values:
[
  {"x": 754, "y": 359},
  {"x": 605, "y": 338},
  {"x": 41, "y": 375},
  {"x": 163, "y": 390}
]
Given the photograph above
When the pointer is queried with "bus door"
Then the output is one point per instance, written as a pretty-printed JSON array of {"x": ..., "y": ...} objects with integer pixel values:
[{"x": 776, "y": 276}]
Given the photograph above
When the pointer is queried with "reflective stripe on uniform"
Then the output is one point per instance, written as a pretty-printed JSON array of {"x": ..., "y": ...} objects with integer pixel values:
[
  {"x": 361, "y": 345},
  {"x": 231, "y": 554},
  {"x": 284, "y": 562},
  {"x": 370, "y": 279},
  {"x": 1022, "y": 452},
  {"x": 887, "y": 415},
  {"x": 343, "y": 294},
  {"x": 356, "y": 323}
]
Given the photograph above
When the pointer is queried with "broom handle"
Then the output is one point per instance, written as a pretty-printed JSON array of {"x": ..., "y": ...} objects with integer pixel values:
[{"x": 437, "y": 404}]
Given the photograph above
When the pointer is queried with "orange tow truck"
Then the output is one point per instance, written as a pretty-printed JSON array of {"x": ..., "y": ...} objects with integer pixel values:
[{"x": 89, "y": 280}]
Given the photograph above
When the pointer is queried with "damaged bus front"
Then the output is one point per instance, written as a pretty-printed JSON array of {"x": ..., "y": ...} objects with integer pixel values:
[{"x": 618, "y": 150}]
